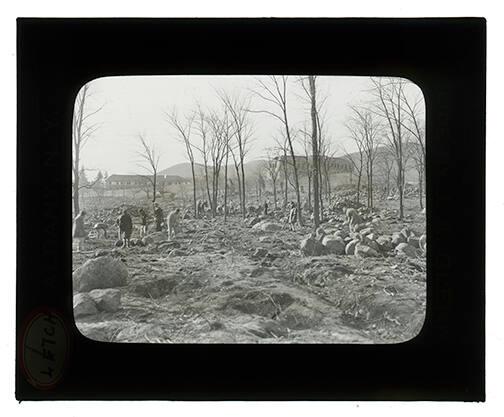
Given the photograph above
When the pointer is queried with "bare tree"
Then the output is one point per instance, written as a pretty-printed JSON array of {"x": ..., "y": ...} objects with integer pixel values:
[
  {"x": 389, "y": 94},
  {"x": 82, "y": 130},
  {"x": 413, "y": 123},
  {"x": 202, "y": 129},
  {"x": 184, "y": 131},
  {"x": 306, "y": 143},
  {"x": 275, "y": 93},
  {"x": 356, "y": 158},
  {"x": 370, "y": 138},
  {"x": 385, "y": 168},
  {"x": 149, "y": 161},
  {"x": 272, "y": 171},
  {"x": 282, "y": 160},
  {"x": 238, "y": 108},
  {"x": 315, "y": 151},
  {"x": 220, "y": 134},
  {"x": 237, "y": 166}
]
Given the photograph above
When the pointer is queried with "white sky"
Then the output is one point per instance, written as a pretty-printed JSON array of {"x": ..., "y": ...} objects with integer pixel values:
[{"x": 137, "y": 104}]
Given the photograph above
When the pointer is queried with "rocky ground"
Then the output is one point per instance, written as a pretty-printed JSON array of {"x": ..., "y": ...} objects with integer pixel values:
[{"x": 255, "y": 281}]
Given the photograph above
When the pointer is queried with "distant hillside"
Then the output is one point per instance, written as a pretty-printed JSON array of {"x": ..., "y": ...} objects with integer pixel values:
[
  {"x": 410, "y": 175},
  {"x": 184, "y": 169}
]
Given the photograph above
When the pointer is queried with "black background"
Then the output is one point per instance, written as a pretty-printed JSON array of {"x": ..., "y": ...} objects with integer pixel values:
[{"x": 444, "y": 57}]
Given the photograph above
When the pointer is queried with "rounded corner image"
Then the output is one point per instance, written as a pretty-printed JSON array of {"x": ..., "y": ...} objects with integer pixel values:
[{"x": 265, "y": 209}]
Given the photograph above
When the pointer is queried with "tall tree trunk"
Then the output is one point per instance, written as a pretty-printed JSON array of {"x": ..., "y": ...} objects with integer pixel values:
[
  {"x": 226, "y": 186},
  {"x": 286, "y": 181},
  {"x": 420, "y": 187},
  {"x": 239, "y": 188},
  {"x": 76, "y": 184},
  {"x": 309, "y": 192},
  {"x": 243, "y": 186},
  {"x": 400, "y": 188},
  {"x": 154, "y": 187},
  {"x": 207, "y": 183},
  {"x": 194, "y": 189},
  {"x": 316, "y": 160},
  {"x": 359, "y": 178},
  {"x": 294, "y": 166},
  {"x": 275, "y": 194}
]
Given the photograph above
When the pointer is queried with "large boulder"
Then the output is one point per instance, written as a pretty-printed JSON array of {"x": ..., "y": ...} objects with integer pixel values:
[
  {"x": 108, "y": 299},
  {"x": 267, "y": 226},
  {"x": 365, "y": 251},
  {"x": 366, "y": 240},
  {"x": 366, "y": 231},
  {"x": 102, "y": 272},
  {"x": 350, "y": 247},
  {"x": 334, "y": 245},
  {"x": 147, "y": 240},
  {"x": 422, "y": 243},
  {"x": 253, "y": 221},
  {"x": 413, "y": 241},
  {"x": 385, "y": 243},
  {"x": 311, "y": 247},
  {"x": 404, "y": 249},
  {"x": 83, "y": 305},
  {"x": 398, "y": 238}
]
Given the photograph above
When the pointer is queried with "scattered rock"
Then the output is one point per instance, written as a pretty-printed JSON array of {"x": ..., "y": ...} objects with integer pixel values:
[
  {"x": 422, "y": 243},
  {"x": 101, "y": 272},
  {"x": 101, "y": 252},
  {"x": 155, "y": 287},
  {"x": 413, "y": 241},
  {"x": 108, "y": 299},
  {"x": 299, "y": 317},
  {"x": 366, "y": 231},
  {"x": 311, "y": 247},
  {"x": 267, "y": 226},
  {"x": 385, "y": 243},
  {"x": 364, "y": 251},
  {"x": 398, "y": 238},
  {"x": 177, "y": 252},
  {"x": 83, "y": 305},
  {"x": 350, "y": 247},
  {"x": 404, "y": 249},
  {"x": 260, "y": 253},
  {"x": 334, "y": 245},
  {"x": 147, "y": 240}
]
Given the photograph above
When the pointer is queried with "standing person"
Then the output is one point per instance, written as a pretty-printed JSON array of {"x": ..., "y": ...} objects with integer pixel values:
[
  {"x": 143, "y": 222},
  {"x": 199, "y": 209},
  {"x": 292, "y": 216},
  {"x": 79, "y": 233},
  {"x": 159, "y": 216},
  {"x": 125, "y": 228},
  {"x": 265, "y": 208}
]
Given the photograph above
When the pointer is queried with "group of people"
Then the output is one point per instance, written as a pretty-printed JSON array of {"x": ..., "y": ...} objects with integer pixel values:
[{"x": 124, "y": 223}]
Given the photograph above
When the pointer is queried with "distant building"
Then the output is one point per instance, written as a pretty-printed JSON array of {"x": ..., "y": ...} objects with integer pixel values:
[
  {"x": 339, "y": 170},
  {"x": 141, "y": 185},
  {"x": 116, "y": 181}
]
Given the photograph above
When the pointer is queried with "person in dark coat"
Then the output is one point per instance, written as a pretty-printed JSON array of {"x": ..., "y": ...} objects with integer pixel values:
[
  {"x": 143, "y": 222},
  {"x": 159, "y": 217},
  {"x": 79, "y": 233},
  {"x": 125, "y": 228}
]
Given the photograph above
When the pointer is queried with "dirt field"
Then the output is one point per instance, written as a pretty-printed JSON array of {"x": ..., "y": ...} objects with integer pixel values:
[{"x": 230, "y": 283}]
